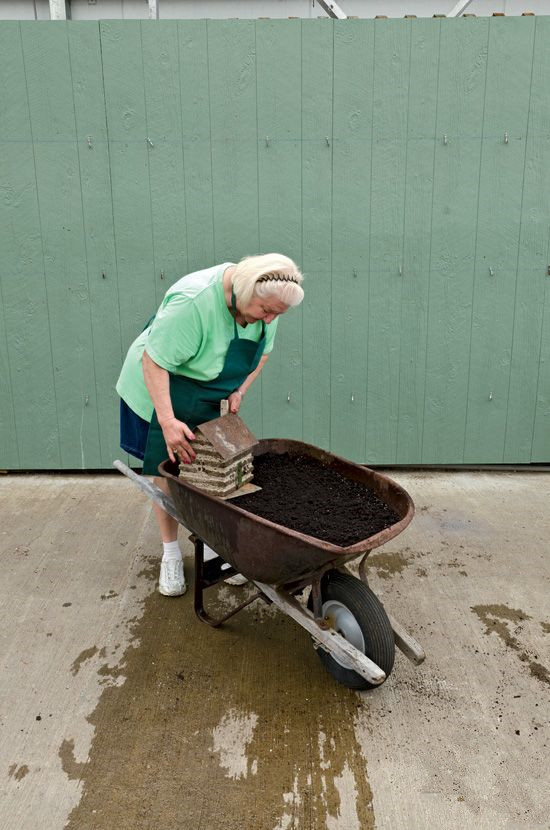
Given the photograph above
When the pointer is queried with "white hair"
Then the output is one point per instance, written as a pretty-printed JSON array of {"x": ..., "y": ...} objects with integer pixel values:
[{"x": 268, "y": 275}]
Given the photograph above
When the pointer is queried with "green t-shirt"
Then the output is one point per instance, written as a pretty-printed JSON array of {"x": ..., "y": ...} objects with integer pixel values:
[{"x": 189, "y": 336}]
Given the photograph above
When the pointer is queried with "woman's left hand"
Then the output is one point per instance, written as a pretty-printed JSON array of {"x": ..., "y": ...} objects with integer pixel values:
[{"x": 235, "y": 400}]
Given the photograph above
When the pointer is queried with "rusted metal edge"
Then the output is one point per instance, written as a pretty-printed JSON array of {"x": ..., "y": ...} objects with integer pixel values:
[
  {"x": 393, "y": 491},
  {"x": 357, "y": 549},
  {"x": 456, "y": 468}
]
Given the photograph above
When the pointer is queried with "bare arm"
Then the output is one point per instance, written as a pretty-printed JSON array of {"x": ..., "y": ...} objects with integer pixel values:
[
  {"x": 235, "y": 399},
  {"x": 176, "y": 433}
]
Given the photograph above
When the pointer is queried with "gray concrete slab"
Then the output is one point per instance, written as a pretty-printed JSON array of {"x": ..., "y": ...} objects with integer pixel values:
[{"x": 120, "y": 709}]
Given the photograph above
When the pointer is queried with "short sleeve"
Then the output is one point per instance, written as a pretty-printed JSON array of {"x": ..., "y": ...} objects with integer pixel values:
[{"x": 176, "y": 333}]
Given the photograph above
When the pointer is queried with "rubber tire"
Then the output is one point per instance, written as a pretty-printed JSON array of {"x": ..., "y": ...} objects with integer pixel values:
[{"x": 372, "y": 619}]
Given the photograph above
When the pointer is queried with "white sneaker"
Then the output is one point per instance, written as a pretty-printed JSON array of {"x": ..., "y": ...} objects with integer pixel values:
[
  {"x": 172, "y": 580},
  {"x": 237, "y": 579}
]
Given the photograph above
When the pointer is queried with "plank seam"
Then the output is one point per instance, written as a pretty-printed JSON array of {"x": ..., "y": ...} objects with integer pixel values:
[
  {"x": 518, "y": 253},
  {"x": 260, "y": 377},
  {"x": 41, "y": 242},
  {"x": 183, "y": 163},
  {"x": 86, "y": 255},
  {"x": 546, "y": 300},
  {"x": 148, "y": 164},
  {"x": 211, "y": 145},
  {"x": 367, "y": 327},
  {"x": 402, "y": 264},
  {"x": 331, "y": 241},
  {"x": 430, "y": 268},
  {"x": 10, "y": 381},
  {"x": 302, "y": 198},
  {"x": 115, "y": 251},
  {"x": 474, "y": 281}
]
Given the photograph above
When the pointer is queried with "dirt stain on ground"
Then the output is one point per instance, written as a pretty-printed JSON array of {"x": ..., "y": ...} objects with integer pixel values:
[
  {"x": 18, "y": 772},
  {"x": 238, "y": 728},
  {"x": 71, "y": 767},
  {"x": 388, "y": 564},
  {"x": 85, "y": 655},
  {"x": 496, "y": 619}
]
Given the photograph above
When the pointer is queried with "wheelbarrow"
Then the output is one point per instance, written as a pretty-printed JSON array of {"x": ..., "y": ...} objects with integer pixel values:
[{"x": 354, "y": 636}]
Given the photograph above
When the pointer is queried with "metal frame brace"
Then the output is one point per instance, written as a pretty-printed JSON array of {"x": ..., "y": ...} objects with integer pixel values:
[{"x": 332, "y": 9}]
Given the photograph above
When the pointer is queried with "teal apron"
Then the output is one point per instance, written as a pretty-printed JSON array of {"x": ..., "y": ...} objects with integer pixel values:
[{"x": 197, "y": 401}]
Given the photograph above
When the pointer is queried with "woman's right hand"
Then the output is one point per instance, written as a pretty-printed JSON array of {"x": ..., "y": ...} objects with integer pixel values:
[{"x": 177, "y": 436}]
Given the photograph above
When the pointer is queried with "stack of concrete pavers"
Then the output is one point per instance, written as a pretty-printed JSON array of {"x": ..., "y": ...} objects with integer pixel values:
[{"x": 224, "y": 456}]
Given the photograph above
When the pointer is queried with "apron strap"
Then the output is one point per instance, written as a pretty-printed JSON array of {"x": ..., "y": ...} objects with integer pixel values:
[{"x": 234, "y": 310}]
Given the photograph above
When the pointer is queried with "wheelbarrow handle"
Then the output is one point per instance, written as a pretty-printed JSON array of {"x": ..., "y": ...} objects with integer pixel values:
[{"x": 151, "y": 490}]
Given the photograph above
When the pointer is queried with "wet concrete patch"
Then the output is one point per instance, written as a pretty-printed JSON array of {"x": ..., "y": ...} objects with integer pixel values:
[
  {"x": 84, "y": 655},
  {"x": 496, "y": 619},
  {"x": 451, "y": 522},
  {"x": 222, "y": 729},
  {"x": 71, "y": 767},
  {"x": 389, "y": 563}
]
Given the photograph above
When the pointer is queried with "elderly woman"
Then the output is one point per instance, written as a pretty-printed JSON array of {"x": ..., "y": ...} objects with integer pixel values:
[{"x": 209, "y": 340}]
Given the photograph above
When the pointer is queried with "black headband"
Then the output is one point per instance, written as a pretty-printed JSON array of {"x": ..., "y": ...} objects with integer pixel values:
[{"x": 278, "y": 278}]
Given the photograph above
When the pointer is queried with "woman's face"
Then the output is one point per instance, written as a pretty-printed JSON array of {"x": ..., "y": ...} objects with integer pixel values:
[{"x": 263, "y": 308}]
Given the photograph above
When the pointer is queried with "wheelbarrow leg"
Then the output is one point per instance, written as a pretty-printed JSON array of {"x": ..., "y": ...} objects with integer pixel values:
[
  {"x": 403, "y": 640},
  {"x": 201, "y": 584},
  {"x": 407, "y": 644},
  {"x": 317, "y": 602}
]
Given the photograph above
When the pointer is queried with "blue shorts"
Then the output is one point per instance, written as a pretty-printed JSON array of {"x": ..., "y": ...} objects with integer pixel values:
[{"x": 133, "y": 431}]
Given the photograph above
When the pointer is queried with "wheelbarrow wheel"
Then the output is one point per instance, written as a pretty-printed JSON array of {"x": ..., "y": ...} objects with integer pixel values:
[{"x": 358, "y": 615}]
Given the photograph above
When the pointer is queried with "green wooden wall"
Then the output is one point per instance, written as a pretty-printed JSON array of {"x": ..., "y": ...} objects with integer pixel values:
[{"x": 405, "y": 164}]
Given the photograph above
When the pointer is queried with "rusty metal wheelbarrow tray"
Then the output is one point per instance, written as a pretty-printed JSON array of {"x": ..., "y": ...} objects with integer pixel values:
[
  {"x": 269, "y": 552},
  {"x": 278, "y": 560}
]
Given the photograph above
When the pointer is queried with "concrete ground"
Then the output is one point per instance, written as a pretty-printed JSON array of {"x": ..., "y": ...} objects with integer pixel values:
[{"x": 119, "y": 709}]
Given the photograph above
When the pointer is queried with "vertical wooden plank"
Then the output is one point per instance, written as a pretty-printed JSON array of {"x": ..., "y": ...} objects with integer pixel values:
[
  {"x": 232, "y": 73},
  {"x": 461, "y": 95},
  {"x": 541, "y": 433},
  {"x": 129, "y": 153},
  {"x": 95, "y": 177},
  {"x": 9, "y": 455},
  {"x": 48, "y": 72},
  {"x": 280, "y": 209},
  {"x": 424, "y": 69},
  {"x": 28, "y": 417},
  {"x": 164, "y": 128},
  {"x": 389, "y": 131},
  {"x": 197, "y": 148},
  {"x": 232, "y": 77},
  {"x": 317, "y": 96},
  {"x": 499, "y": 212},
  {"x": 532, "y": 278},
  {"x": 353, "y": 105}
]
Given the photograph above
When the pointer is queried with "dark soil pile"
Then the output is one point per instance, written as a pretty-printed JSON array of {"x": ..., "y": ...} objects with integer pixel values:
[{"x": 305, "y": 495}]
